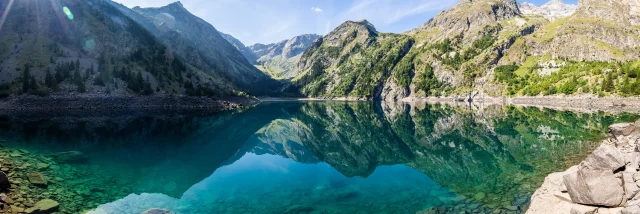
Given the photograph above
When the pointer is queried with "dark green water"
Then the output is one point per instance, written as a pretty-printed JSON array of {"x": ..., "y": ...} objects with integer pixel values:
[{"x": 306, "y": 157}]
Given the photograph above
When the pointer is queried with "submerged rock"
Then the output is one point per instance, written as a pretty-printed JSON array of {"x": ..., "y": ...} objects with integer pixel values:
[
  {"x": 45, "y": 206},
  {"x": 37, "y": 179},
  {"x": 156, "y": 211},
  {"x": 70, "y": 157}
]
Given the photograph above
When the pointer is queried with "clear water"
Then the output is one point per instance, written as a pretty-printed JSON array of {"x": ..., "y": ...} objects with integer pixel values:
[{"x": 305, "y": 157}]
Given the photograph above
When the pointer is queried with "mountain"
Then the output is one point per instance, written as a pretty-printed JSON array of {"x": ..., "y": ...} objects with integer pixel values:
[
  {"x": 279, "y": 59},
  {"x": 353, "y": 60},
  {"x": 246, "y": 52},
  {"x": 552, "y": 10},
  {"x": 201, "y": 44},
  {"x": 91, "y": 47},
  {"x": 483, "y": 48}
]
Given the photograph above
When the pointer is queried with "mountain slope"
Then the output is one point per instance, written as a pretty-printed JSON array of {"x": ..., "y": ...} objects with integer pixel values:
[
  {"x": 90, "y": 47},
  {"x": 246, "y": 52},
  {"x": 201, "y": 44},
  {"x": 350, "y": 61},
  {"x": 483, "y": 48},
  {"x": 279, "y": 59}
]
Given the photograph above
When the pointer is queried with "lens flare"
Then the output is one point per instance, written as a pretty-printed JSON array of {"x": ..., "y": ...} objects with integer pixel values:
[
  {"x": 67, "y": 12},
  {"x": 6, "y": 12},
  {"x": 89, "y": 44}
]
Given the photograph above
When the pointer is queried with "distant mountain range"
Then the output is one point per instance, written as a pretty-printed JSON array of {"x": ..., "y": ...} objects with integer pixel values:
[{"x": 276, "y": 59}]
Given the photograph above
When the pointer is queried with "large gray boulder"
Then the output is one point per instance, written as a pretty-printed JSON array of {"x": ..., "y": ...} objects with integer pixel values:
[
  {"x": 604, "y": 158},
  {"x": 598, "y": 180}
]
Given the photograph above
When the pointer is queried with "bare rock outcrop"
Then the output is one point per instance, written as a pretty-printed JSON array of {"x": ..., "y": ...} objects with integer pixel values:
[{"x": 605, "y": 182}]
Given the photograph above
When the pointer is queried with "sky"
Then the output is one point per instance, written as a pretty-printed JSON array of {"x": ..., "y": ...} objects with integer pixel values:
[{"x": 270, "y": 21}]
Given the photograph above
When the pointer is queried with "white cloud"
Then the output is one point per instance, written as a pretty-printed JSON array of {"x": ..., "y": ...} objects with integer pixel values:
[{"x": 316, "y": 9}]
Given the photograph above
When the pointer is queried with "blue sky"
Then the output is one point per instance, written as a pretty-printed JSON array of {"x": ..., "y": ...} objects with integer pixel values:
[{"x": 268, "y": 21}]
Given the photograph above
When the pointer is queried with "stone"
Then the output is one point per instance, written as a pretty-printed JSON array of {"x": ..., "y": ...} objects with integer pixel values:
[
  {"x": 70, "y": 157},
  {"x": 42, "y": 165},
  {"x": 583, "y": 210},
  {"x": 479, "y": 196},
  {"x": 604, "y": 158},
  {"x": 590, "y": 187},
  {"x": 635, "y": 209},
  {"x": 621, "y": 129},
  {"x": 45, "y": 206},
  {"x": 15, "y": 209},
  {"x": 156, "y": 211},
  {"x": 4, "y": 182},
  {"x": 37, "y": 179},
  {"x": 630, "y": 186}
]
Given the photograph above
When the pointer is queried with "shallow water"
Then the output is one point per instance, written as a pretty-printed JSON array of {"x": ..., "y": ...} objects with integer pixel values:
[{"x": 303, "y": 157}]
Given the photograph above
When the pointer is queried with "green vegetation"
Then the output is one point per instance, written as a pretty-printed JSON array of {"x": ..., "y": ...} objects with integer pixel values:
[
  {"x": 602, "y": 78},
  {"x": 427, "y": 82}
]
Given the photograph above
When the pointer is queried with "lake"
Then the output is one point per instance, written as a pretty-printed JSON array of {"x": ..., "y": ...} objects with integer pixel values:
[{"x": 298, "y": 157}]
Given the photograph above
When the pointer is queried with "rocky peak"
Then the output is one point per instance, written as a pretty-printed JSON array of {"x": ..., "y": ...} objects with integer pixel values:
[
  {"x": 469, "y": 17},
  {"x": 350, "y": 30},
  {"x": 552, "y": 10},
  {"x": 625, "y": 10}
]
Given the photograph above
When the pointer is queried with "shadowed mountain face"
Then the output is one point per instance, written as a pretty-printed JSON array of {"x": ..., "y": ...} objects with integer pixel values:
[
  {"x": 201, "y": 45},
  {"x": 310, "y": 154}
]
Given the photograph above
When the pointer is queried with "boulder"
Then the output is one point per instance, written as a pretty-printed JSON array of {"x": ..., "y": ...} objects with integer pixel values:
[
  {"x": 604, "y": 158},
  {"x": 598, "y": 180},
  {"x": 156, "y": 211},
  {"x": 600, "y": 188},
  {"x": 4, "y": 182},
  {"x": 70, "y": 157},
  {"x": 621, "y": 129},
  {"x": 37, "y": 179},
  {"x": 45, "y": 206}
]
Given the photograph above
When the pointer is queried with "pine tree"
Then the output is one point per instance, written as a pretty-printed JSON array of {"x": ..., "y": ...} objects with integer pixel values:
[
  {"x": 78, "y": 64},
  {"x": 79, "y": 81},
  {"x": 48, "y": 80},
  {"x": 34, "y": 84},
  {"x": 139, "y": 81},
  {"x": 26, "y": 76}
]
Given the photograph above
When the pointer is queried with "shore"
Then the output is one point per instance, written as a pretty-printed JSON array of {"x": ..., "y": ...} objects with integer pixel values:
[
  {"x": 97, "y": 103},
  {"x": 607, "y": 181}
]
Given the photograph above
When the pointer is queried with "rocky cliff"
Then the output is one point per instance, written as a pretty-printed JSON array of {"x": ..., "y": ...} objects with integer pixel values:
[{"x": 246, "y": 52}]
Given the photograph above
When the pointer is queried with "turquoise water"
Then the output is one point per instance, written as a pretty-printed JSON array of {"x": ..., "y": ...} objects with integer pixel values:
[{"x": 306, "y": 157}]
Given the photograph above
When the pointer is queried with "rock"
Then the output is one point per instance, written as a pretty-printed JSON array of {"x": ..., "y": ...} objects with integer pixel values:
[
  {"x": 621, "y": 129},
  {"x": 479, "y": 196},
  {"x": 156, "y": 211},
  {"x": 4, "y": 182},
  {"x": 631, "y": 210},
  {"x": 42, "y": 165},
  {"x": 630, "y": 186},
  {"x": 70, "y": 157},
  {"x": 590, "y": 187},
  {"x": 583, "y": 210},
  {"x": 15, "y": 209},
  {"x": 604, "y": 158},
  {"x": 37, "y": 179},
  {"x": 44, "y": 207}
]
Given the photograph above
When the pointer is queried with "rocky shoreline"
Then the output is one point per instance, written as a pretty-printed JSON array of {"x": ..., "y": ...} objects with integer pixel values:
[
  {"x": 607, "y": 181},
  {"x": 94, "y": 102},
  {"x": 581, "y": 103}
]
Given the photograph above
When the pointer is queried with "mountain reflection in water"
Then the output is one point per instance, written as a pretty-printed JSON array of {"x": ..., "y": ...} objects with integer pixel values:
[{"x": 312, "y": 157}]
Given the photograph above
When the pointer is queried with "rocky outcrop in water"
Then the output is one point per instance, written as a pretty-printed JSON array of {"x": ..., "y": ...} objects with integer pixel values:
[{"x": 607, "y": 181}]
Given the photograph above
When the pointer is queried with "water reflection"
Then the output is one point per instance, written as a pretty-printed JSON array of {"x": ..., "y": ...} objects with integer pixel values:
[{"x": 299, "y": 157}]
